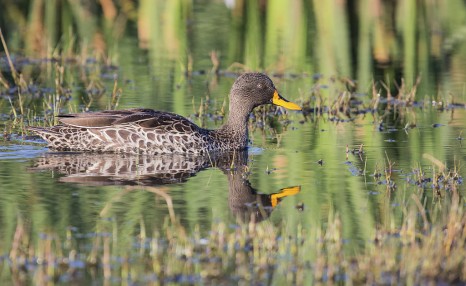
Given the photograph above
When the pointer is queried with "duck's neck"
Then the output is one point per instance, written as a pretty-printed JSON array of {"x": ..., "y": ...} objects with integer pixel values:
[{"x": 236, "y": 128}]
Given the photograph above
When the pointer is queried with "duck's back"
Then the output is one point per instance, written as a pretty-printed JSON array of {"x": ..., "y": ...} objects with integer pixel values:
[{"x": 140, "y": 131}]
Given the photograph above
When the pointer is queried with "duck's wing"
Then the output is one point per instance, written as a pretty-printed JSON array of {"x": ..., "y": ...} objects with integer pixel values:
[
  {"x": 146, "y": 118},
  {"x": 97, "y": 119}
]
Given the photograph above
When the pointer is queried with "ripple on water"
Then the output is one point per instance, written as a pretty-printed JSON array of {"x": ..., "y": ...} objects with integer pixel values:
[{"x": 19, "y": 152}]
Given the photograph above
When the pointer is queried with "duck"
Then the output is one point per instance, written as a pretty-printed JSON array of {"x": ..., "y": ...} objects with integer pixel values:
[{"x": 148, "y": 131}]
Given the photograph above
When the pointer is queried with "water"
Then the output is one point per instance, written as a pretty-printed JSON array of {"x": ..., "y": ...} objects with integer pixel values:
[
  {"x": 362, "y": 166},
  {"x": 200, "y": 194}
]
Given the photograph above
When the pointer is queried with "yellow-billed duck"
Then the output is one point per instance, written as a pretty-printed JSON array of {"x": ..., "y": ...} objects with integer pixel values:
[{"x": 147, "y": 131}]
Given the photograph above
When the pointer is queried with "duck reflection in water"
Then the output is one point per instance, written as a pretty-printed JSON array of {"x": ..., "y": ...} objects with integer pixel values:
[{"x": 152, "y": 171}]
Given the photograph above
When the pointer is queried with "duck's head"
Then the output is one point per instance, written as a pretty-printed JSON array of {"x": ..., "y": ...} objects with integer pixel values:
[{"x": 254, "y": 89}]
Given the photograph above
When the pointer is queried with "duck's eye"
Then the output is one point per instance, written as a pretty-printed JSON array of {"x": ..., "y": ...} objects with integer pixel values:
[{"x": 260, "y": 86}]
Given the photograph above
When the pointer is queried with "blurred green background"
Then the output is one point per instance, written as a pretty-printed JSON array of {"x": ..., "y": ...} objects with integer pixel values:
[{"x": 363, "y": 40}]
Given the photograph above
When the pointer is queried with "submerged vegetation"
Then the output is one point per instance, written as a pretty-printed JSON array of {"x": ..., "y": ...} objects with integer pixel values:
[{"x": 378, "y": 147}]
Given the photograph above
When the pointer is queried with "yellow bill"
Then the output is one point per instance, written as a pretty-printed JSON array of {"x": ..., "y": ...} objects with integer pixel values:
[
  {"x": 285, "y": 192},
  {"x": 280, "y": 101}
]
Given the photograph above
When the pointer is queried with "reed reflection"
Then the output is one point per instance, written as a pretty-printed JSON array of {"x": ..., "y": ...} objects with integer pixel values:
[{"x": 153, "y": 172}]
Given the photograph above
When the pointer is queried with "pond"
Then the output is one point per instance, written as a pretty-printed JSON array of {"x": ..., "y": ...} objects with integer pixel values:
[{"x": 374, "y": 147}]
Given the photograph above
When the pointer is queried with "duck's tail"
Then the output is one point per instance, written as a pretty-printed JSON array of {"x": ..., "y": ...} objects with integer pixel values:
[
  {"x": 51, "y": 135},
  {"x": 43, "y": 132}
]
